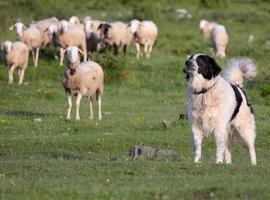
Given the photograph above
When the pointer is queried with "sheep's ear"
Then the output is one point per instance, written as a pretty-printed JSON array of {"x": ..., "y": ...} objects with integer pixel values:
[
  {"x": 129, "y": 25},
  {"x": 2, "y": 46},
  {"x": 11, "y": 27},
  {"x": 81, "y": 51},
  {"x": 99, "y": 27}
]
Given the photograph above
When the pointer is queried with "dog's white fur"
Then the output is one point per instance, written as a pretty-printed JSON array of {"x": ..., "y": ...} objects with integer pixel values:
[{"x": 211, "y": 112}]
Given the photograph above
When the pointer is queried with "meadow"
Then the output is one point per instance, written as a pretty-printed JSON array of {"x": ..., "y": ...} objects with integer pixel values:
[{"x": 44, "y": 156}]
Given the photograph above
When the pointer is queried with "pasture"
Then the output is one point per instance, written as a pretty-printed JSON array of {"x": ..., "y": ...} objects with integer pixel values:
[{"x": 44, "y": 156}]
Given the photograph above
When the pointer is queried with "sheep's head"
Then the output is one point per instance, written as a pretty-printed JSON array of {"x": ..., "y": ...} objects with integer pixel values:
[
  {"x": 104, "y": 30},
  {"x": 52, "y": 29},
  {"x": 74, "y": 20},
  {"x": 64, "y": 26},
  {"x": 6, "y": 46},
  {"x": 85, "y": 19},
  {"x": 134, "y": 24},
  {"x": 87, "y": 23},
  {"x": 72, "y": 54},
  {"x": 19, "y": 28},
  {"x": 205, "y": 28}
]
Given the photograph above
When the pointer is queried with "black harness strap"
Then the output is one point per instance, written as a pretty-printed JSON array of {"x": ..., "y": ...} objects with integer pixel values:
[{"x": 238, "y": 99}]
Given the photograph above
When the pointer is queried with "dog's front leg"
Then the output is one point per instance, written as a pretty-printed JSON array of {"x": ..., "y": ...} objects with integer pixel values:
[
  {"x": 197, "y": 137},
  {"x": 220, "y": 145}
]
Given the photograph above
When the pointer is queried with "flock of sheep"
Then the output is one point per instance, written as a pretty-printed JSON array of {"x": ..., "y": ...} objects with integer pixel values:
[{"x": 75, "y": 37}]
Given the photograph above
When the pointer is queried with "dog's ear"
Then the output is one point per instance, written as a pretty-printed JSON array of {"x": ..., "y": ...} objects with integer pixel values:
[
  {"x": 208, "y": 67},
  {"x": 215, "y": 67}
]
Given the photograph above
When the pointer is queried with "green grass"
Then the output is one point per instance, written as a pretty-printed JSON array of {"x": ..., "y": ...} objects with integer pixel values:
[{"x": 89, "y": 159}]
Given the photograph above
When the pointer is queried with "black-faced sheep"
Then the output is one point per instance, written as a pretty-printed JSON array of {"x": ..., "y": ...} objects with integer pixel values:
[{"x": 116, "y": 35}]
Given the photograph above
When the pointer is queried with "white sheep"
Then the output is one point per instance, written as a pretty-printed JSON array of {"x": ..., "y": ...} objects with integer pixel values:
[
  {"x": 15, "y": 55},
  {"x": 68, "y": 35},
  {"x": 218, "y": 35},
  {"x": 220, "y": 39},
  {"x": 82, "y": 80},
  {"x": 31, "y": 36},
  {"x": 116, "y": 35},
  {"x": 43, "y": 26},
  {"x": 145, "y": 33}
]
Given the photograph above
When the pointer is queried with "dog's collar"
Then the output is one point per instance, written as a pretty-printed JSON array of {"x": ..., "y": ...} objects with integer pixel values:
[{"x": 204, "y": 90}]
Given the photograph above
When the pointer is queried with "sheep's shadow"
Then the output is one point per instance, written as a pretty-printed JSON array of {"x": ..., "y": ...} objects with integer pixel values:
[{"x": 26, "y": 114}]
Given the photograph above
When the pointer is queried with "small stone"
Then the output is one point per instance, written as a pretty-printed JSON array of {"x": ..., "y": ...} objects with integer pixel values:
[
  {"x": 106, "y": 113},
  {"x": 37, "y": 120}
]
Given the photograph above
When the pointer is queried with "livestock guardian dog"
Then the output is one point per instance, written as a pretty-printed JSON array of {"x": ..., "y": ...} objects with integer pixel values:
[{"x": 218, "y": 105}]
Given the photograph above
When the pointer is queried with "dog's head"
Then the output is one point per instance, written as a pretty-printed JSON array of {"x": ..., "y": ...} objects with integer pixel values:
[{"x": 201, "y": 65}]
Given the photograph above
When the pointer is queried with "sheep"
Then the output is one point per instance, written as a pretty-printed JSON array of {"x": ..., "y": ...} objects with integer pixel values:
[
  {"x": 82, "y": 80},
  {"x": 68, "y": 35},
  {"x": 145, "y": 33},
  {"x": 116, "y": 34},
  {"x": 43, "y": 26},
  {"x": 92, "y": 40},
  {"x": 219, "y": 39},
  {"x": 218, "y": 35},
  {"x": 93, "y": 25},
  {"x": 31, "y": 36},
  {"x": 15, "y": 55}
]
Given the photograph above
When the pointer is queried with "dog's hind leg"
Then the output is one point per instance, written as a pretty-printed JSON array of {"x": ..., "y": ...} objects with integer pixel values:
[
  {"x": 197, "y": 137},
  {"x": 248, "y": 135},
  {"x": 227, "y": 151}
]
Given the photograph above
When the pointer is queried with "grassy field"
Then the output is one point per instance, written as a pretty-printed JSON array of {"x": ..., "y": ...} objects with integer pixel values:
[{"x": 89, "y": 159}]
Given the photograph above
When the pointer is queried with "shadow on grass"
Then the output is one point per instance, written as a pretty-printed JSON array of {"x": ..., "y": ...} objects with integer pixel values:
[
  {"x": 26, "y": 114},
  {"x": 68, "y": 156}
]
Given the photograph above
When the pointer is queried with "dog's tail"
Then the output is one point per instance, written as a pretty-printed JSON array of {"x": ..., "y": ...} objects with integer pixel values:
[{"x": 239, "y": 70}]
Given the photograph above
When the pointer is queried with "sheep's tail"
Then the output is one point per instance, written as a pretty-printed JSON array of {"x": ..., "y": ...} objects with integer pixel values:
[{"x": 239, "y": 70}]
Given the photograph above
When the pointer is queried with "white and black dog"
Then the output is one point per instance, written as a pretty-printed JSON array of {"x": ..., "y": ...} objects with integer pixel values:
[{"x": 218, "y": 105}]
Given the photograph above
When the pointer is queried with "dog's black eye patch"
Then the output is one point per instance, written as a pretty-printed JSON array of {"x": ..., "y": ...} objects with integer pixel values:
[{"x": 208, "y": 67}]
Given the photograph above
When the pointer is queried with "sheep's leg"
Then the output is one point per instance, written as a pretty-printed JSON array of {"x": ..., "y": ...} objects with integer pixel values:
[
  {"x": 69, "y": 106},
  {"x": 36, "y": 58},
  {"x": 33, "y": 56},
  {"x": 10, "y": 74},
  {"x": 84, "y": 49},
  {"x": 115, "y": 48},
  {"x": 99, "y": 107},
  {"x": 21, "y": 74},
  {"x": 62, "y": 52},
  {"x": 125, "y": 49},
  {"x": 149, "y": 51},
  {"x": 78, "y": 102},
  {"x": 146, "y": 50},
  {"x": 91, "y": 106},
  {"x": 138, "y": 50}
]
